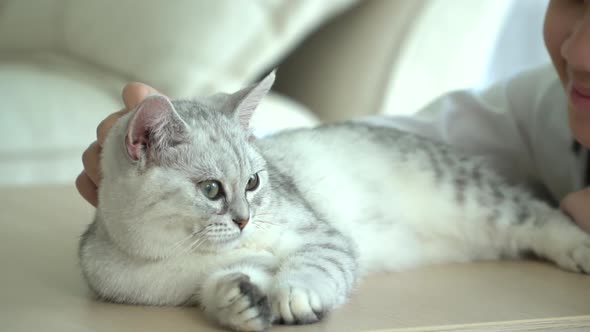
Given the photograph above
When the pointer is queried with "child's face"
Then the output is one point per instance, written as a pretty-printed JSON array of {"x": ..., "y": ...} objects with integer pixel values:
[{"x": 567, "y": 38}]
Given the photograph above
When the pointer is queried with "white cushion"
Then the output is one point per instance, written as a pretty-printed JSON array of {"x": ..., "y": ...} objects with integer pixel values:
[
  {"x": 51, "y": 106},
  {"x": 53, "y": 103},
  {"x": 182, "y": 47}
]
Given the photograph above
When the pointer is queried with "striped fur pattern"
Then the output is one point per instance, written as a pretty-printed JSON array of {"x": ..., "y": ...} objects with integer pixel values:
[{"x": 329, "y": 205}]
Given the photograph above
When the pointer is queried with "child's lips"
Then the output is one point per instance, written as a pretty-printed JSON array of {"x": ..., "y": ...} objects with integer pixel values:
[{"x": 579, "y": 97}]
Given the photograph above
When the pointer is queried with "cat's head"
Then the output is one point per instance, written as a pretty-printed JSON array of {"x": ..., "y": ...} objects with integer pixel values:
[{"x": 180, "y": 176}]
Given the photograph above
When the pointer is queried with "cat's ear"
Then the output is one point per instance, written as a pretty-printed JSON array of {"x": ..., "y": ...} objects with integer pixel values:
[
  {"x": 154, "y": 125},
  {"x": 244, "y": 102}
]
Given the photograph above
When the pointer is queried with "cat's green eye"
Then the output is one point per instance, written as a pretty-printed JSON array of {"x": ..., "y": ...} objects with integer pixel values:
[
  {"x": 253, "y": 182},
  {"x": 211, "y": 189}
]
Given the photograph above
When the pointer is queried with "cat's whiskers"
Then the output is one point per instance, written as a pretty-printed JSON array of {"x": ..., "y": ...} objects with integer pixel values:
[
  {"x": 266, "y": 222},
  {"x": 179, "y": 243},
  {"x": 191, "y": 246},
  {"x": 177, "y": 249},
  {"x": 264, "y": 228},
  {"x": 197, "y": 243},
  {"x": 264, "y": 225},
  {"x": 201, "y": 238}
]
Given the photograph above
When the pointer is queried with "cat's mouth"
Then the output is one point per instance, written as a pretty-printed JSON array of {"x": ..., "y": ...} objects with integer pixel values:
[
  {"x": 216, "y": 236},
  {"x": 223, "y": 241}
]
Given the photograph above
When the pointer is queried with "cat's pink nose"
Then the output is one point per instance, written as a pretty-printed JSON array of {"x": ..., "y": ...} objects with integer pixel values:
[{"x": 240, "y": 222}]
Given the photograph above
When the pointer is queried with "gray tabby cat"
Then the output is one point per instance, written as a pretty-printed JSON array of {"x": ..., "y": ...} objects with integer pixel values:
[{"x": 193, "y": 210}]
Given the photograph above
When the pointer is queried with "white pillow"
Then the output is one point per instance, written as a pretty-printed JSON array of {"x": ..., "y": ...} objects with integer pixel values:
[
  {"x": 51, "y": 106},
  {"x": 182, "y": 47}
]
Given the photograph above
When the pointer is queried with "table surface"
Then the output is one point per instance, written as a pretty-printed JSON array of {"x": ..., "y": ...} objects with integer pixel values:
[{"x": 41, "y": 287}]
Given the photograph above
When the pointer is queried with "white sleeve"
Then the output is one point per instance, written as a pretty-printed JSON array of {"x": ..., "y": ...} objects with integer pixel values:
[{"x": 497, "y": 122}]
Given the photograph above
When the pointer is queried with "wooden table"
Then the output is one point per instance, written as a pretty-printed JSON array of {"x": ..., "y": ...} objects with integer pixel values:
[{"x": 41, "y": 288}]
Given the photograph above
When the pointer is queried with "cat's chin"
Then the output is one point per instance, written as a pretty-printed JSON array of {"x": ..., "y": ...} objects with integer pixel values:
[{"x": 220, "y": 245}]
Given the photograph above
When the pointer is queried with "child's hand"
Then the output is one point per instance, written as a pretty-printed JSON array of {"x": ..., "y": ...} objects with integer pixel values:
[
  {"x": 577, "y": 206},
  {"x": 89, "y": 180}
]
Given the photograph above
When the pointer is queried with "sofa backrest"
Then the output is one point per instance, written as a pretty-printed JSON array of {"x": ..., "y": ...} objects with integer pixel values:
[{"x": 182, "y": 47}]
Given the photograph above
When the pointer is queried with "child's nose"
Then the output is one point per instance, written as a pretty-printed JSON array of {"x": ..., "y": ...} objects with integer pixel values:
[{"x": 576, "y": 49}]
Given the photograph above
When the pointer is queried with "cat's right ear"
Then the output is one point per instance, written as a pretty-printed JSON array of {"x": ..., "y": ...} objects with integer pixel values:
[
  {"x": 154, "y": 126},
  {"x": 243, "y": 103}
]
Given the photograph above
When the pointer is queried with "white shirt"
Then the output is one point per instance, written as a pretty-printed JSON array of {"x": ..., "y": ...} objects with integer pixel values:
[{"x": 520, "y": 123}]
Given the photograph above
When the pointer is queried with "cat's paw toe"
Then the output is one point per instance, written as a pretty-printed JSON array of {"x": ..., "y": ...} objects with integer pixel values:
[
  {"x": 576, "y": 258},
  {"x": 293, "y": 305},
  {"x": 581, "y": 258},
  {"x": 244, "y": 307}
]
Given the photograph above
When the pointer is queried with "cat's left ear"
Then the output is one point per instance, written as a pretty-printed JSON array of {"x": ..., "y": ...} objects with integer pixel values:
[
  {"x": 153, "y": 127},
  {"x": 244, "y": 102}
]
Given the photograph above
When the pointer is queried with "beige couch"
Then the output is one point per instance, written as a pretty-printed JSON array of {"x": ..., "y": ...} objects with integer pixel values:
[{"x": 63, "y": 63}]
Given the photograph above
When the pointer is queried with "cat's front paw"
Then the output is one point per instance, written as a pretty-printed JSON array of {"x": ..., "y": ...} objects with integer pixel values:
[
  {"x": 296, "y": 305},
  {"x": 242, "y": 306},
  {"x": 576, "y": 258}
]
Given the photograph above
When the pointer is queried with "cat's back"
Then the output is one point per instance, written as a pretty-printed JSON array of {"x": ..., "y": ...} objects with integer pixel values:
[
  {"x": 355, "y": 147},
  {"x": 375, "y": 169},
  {"x": 359, "y": 166},
  {"x": 382, "y": 186}
]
